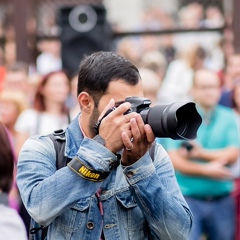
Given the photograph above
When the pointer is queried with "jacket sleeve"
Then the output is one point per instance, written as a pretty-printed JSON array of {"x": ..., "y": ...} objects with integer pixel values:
[
  {"x": 157, "y": 193},
  {"x": 46, "y": 192}
]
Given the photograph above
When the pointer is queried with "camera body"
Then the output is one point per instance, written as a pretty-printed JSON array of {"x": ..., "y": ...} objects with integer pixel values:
[
  {"x": 176, "y": 120},
  {"x": 138, "y": 104}
]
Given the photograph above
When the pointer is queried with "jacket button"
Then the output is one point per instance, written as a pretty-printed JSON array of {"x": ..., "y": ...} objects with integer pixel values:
[
  {"x": 90, "y": 225},
  {"x": 129, "y": 174}
]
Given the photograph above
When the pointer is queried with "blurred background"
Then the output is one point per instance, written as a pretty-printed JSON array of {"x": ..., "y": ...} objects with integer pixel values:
[
  {"x": 30, "y": 27},
  {"x": 43, "y": 41}
]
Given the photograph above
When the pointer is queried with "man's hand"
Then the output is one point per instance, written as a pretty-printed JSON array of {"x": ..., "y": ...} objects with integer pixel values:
[
  {"x": 114, "y": 124},
  {"x": 126, "y": 131},
  {"x": 216, "y": 170},
  {"x": 195, "y": 152},
  {"x": 224, "y": 156},
  {"x": 140, "y": 141}
]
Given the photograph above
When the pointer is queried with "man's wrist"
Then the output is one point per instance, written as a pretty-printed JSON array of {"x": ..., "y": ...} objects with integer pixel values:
[{"x": 99, "y": 139}]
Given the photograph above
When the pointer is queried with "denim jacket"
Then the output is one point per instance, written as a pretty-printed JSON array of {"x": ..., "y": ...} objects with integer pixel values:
[{"x": 140, "y": 201}]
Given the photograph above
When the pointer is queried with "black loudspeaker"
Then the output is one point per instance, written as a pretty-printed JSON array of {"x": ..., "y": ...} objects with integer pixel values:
[{"x": 83, "y": 30}]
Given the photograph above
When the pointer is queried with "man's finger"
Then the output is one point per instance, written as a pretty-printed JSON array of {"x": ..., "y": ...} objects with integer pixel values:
[
  {"x": 149, "y": 133},
  {"x": 123, "y": 108},
  {"x": 111, "y": 104}
]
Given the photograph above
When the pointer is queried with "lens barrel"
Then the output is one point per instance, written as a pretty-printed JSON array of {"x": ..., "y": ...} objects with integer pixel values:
[{"x": 176, "y": 121}]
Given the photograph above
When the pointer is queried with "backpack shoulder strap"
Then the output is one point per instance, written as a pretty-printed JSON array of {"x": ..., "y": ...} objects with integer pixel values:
[
  {"x": 152, "y": 150},
  {"x": 59, "y": 141}
]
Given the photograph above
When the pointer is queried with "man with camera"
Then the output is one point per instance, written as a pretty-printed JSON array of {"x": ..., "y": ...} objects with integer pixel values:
[
  {"x": 113, "y": 187},
  {"x": 203, "y": 165}
]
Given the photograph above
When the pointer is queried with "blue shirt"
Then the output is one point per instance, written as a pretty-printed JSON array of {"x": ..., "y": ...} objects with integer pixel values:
[
  {"x": 218, "y": 130},
  {"x": 137, "y": 200}
]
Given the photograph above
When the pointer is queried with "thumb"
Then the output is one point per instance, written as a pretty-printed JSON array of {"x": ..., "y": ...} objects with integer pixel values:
[{"x": 111, "y": 104}]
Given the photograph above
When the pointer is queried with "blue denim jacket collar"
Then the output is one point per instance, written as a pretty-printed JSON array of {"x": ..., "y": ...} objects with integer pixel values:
[{"x": 74, "y": 137}]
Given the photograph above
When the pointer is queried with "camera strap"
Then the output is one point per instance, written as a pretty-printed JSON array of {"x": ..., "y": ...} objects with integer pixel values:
[
  {"x": 152, "y": 150},
  {"x": 84, "y": 171},
  {"x": 97, "y": 124}
]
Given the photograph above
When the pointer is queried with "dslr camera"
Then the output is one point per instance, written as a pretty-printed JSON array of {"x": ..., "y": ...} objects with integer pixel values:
[{"x": 176, "y": 120}]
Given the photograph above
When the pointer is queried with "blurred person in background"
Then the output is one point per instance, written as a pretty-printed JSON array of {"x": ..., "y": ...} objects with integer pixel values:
[
  {"x": 213, "y": 17},
  {"x": 179, "y": 75},
  {"x": 130, "y": 48},
  {"x": 12, "y": 103},
  {"x": 236, "y": 167},
  {"x": 153, "y": 18},
  {"x": 231, "y": 74},
  {"x": 72, "y": 102},
  {"x": 16, "y": 77},
  {"x": 189, "y": 16},
  {"x": 10, "y": 51},
  {"x": 203, "y": 165},
  {"x": 194, "y": 16},
  {"x": 157, "y": 17},
  {"x": 49, "y": 113},
  {"x": 49, "y": 59},
  {"x": 11, "y": 224},
  {"x": 156, "y": 61},
  {"x": 215, "y": 59},
  {"x": 33, "y": 82},
  {"x": 49, "y": 110},
  {"x": 213, "y": 42},
  {"x": 227, "y": 42},
  {"x": 150, "y": 84}
]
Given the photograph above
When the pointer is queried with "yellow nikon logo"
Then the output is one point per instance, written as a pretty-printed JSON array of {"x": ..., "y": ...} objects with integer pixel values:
[{"x": 87, "y": 173}]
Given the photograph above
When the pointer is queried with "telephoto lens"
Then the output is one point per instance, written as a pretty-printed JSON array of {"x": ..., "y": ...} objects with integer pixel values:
[{"x": 176, "y": 120}]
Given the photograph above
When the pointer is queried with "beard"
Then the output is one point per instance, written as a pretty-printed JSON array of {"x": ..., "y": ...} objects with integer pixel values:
[{"x": 93, "y": 120}]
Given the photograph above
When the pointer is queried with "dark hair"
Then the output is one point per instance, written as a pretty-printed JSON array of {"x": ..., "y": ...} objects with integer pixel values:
[
  {"x": 39, "y": 104},
  {"x": 6, "y": 160},
  {"x": 100, "y": 68}
]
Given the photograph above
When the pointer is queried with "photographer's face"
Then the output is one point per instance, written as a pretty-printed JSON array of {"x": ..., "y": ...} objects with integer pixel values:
[{"x": 119, "y": 90}]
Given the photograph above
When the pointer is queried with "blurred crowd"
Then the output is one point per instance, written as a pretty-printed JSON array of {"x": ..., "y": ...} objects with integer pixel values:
[{"x": 42, "y": 98}]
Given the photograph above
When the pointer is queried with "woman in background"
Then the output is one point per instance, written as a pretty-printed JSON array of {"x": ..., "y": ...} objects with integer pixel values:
[
  {"x": 49, "y": 110},
  {"x": 11, "y": 224},
  {"x": 12, "y": 103},
  {"x": 49, "y": 113},
  {"x": 178, "y": 80}
]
